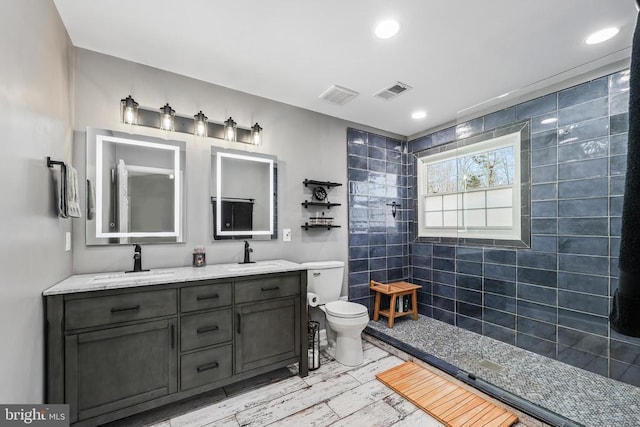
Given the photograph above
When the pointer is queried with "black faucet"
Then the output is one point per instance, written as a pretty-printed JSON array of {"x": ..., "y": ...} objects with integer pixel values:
[
  {"x": 247, "y": 251},
  {"x": 137, "y": 260}
]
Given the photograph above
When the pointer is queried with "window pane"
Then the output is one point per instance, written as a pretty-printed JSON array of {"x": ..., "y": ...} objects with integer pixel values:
[
  {"x": 502, "y": 217},
  {"x": 433, "y": 219},
  {"x": 488, "y": 169},
  {"x": 474, "y": 200},
  {"x": 500, "y": 198},
  {"x": 451, "y": 201},
  {"x": 472, "y": 172},
  {"x": 502, "y": 167},
  {"x": 451, "y": 218},
  {"x": 474, "y": 217},
  {"x": 433, "y": 203},
  {"x": 442, "y": 177}
]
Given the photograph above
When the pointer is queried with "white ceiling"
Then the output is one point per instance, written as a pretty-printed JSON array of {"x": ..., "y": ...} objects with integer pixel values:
[{"x": 458, "y": 55}]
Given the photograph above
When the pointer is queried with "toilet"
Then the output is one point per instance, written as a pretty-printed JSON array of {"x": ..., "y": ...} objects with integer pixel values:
[{"x": 345, "y": 320}]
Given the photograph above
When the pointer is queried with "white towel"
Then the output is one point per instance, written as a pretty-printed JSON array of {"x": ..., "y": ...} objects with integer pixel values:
[
  {"x": 62, "y": 192},
  {"x": 91, "y": 200},
  {"x": 71, "y": 194}
]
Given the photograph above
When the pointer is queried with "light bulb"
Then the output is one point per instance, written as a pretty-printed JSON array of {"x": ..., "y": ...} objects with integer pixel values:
[
  {"x": 166, "y": 121},
  {"x": 230, "y": 129},
  {"x": 128, "y": 115},
  {"x": 166, "y": 118}
]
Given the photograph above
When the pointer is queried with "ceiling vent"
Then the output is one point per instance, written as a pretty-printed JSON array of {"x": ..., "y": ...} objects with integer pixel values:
[
  {"x": 338, "y": 95},
  {"x": 392, "y": 91}
]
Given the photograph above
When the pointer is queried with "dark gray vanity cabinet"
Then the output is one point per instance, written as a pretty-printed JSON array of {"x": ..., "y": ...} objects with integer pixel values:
[
  {"x": 115, "y": 368},
  {"x": 267, "y": 322},
  {"x": 266, "y": 333},
  {"x": 114, "y": 353}
]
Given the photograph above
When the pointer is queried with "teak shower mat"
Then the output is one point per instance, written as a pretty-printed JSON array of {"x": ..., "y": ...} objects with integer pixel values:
[{"x": 450, "y": 404}]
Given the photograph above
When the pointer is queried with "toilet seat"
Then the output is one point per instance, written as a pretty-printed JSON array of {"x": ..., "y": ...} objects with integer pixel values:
[{"x": 345, "y": 309}]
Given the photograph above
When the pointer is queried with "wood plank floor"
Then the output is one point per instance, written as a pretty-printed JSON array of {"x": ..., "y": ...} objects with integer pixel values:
[
  {"x": 447, "y": 402},
  {"x": 333, "y": 395}
]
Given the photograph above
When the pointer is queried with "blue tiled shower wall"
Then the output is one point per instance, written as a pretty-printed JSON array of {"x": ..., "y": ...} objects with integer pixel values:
[
  {"x": 552, "y": 298},
  {"x": 378, "y": 241}
]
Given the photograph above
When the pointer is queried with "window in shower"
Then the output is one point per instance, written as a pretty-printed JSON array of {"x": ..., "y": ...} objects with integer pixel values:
[{"x": 472, "y": 189}]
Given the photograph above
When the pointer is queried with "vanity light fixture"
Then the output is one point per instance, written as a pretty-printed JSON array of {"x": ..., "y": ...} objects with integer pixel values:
[
  {"x": 200, "y": 124},
  {"x": 230, "y": 129},
  {"x": 167, "y": 115},
  {"x": 129, "y": 110},
  {"x": 165, "y": 118},
  {"x": 256, "y": 134}
]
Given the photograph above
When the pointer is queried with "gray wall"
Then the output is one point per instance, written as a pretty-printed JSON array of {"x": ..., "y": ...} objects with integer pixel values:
[
  {"x": 307, "y": 144},
  {"x": 36, "y": 85}
]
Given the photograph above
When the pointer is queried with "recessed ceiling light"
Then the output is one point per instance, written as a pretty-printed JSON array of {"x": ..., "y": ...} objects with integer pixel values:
[
  {"x": 549, "y": 121},
  {"x": 387, "y": 29},
  {"x": 418, "y": 115},
  {"x": 602, "y": 35}
]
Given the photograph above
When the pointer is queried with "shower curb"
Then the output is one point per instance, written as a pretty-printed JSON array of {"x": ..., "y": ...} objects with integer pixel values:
[{"x": 510, "y": 399}]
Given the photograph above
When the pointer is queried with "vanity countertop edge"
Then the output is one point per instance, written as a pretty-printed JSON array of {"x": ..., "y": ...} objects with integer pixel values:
[{"x": 120, "y": 280}]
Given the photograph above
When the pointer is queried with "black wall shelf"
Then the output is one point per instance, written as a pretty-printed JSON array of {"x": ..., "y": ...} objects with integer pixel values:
[
  {"x": 307, "y": 226},
  {"x": 308, "y": 182},
  {"x": 323, "y": 204}
]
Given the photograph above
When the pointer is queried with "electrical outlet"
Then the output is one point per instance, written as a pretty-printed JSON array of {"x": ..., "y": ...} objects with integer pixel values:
[
  {"x": 67, "y": 241},
  {"x": 286, "y": 235}
]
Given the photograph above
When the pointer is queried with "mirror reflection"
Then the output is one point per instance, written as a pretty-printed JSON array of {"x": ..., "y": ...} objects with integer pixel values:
[
  {"x": 135, "y": 187},
  {"x": 243, "y": 195}
]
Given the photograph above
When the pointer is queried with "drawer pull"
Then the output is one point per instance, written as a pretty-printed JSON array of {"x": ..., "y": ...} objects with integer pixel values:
[
  {"x": 173, "y": 336},
  {"x": 274, "y": 288},
  {"x": 119, "y": 309},
  {"x": 239, "y": 318},
  {"x": 207, "y": 329},
  {"x": 207, "y": 367},
  {"x": 203, "y": 297}
]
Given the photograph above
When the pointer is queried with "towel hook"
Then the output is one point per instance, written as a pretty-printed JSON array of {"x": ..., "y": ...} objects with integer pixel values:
[{"x": 394, "y": 207}]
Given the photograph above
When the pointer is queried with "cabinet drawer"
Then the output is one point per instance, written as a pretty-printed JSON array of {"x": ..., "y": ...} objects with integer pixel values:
[
  {"x": 88, "y": 312},
  {"x": 268, "y": 288},
  {"x": 201, "y": 330},
  {"x": 205, "y": 366},
  {"x": 205, "y": 296}
]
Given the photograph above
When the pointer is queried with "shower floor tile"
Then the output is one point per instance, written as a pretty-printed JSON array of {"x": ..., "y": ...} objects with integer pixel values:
[{"x": 581, "y": 396}]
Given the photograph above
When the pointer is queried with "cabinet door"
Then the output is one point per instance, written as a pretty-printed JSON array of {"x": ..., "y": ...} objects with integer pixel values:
[
  {"x": 266, "y": 333},
  {"x": 115, "y": 368}
]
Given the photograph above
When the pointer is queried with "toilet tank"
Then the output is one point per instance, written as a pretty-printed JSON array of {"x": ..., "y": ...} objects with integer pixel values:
[{"x": 324, "y": 278}]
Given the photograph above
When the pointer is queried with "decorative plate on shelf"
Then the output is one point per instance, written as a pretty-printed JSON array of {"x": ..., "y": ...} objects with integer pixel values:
[{"x": 320, "y": 193}]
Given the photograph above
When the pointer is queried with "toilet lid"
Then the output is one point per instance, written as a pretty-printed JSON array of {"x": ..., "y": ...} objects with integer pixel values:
[{"x": 345, "y": 309}]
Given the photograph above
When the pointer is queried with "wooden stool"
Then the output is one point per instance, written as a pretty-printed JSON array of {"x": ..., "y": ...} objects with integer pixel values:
[{"x": 395, "y": 290}]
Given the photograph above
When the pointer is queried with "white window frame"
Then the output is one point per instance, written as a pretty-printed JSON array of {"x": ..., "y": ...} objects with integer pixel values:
[{"x": 464, "y": 230}]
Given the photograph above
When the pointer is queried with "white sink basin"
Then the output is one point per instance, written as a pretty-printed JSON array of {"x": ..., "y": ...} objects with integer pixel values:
[
  {"x": 127, "y": 277},
  {"x": 250, "y": 267}
]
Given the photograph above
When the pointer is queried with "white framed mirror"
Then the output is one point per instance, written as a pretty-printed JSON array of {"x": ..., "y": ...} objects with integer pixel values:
[
  {"x": 243, "y": 195},
  {"x": 135, "y": 189}
]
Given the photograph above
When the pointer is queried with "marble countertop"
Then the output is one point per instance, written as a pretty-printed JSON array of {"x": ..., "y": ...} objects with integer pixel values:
[{"x": 118, "y": 280}]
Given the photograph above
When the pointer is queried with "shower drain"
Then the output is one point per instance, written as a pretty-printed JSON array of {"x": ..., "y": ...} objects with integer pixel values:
[
  {"x": 492, "y": 366},
  {"x": 479, "y": 362}
]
